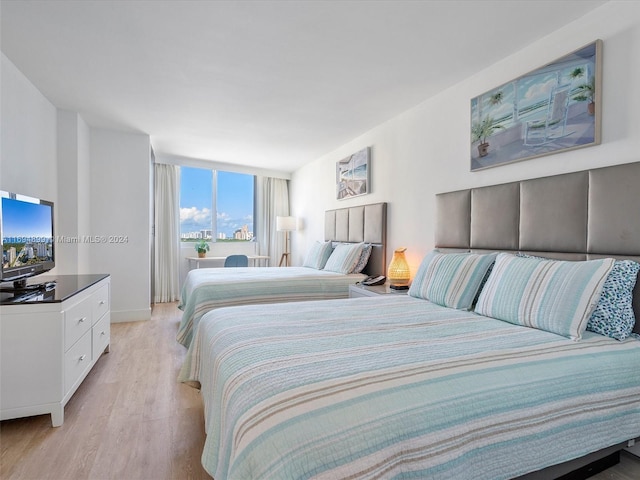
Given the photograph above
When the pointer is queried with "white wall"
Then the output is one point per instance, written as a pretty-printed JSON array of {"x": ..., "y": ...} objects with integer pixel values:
[
  {"x": 120, "y": 210},
  {"x": 67, "y": 175},
  {"x": 83, "y": 164},
  {"x": 28, "y": 137},
  {"x": 98, "y": 180},
  {"x": 426, "y": 150},
  {"x": 73, "y": 193}
]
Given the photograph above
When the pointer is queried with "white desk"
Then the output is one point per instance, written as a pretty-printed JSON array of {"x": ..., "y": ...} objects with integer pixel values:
[{"x": 252, "y": 258}]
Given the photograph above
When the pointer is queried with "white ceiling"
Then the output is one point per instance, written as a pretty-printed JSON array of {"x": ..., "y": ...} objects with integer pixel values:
[{"x": 272, "y": 84}]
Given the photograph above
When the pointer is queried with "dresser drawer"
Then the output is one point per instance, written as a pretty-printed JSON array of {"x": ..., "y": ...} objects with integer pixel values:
[
  {"x": 77, "y": 321},
  {"x": 77, "y": 361},
  {"x": 100, "y": 301},
  {"x": 101, "y": 336}
]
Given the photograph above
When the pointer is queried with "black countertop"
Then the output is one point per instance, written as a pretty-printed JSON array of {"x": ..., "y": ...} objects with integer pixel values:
[{"x": 53, "y": 289}]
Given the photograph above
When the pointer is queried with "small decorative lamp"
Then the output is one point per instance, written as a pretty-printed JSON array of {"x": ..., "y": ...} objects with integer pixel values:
[
  {"x": 398, "y": 272},
  {"x": 286, "y": 225}
]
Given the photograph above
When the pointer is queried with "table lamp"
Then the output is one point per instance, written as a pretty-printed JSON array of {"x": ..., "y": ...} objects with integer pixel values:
[
  {"x": 398, "y": 273},
  {"x": 286, "y": 225}
]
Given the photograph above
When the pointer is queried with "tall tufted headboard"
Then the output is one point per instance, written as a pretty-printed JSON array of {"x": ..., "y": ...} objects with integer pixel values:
[
  {"x": 364, "y": 223},
  {"x": 575, "y": 216}
]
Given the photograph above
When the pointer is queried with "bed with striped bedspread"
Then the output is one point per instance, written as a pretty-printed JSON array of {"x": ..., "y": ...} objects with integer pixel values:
[
  {"x": 208, "y": 288},
  {"x": 397, "y": 387}
]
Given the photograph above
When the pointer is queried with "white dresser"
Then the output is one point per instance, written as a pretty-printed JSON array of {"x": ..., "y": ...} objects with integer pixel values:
[{"x": 49, "y": 341}]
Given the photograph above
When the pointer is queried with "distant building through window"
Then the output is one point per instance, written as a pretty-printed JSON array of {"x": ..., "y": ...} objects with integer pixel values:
[{"x": 227, "y": 197}]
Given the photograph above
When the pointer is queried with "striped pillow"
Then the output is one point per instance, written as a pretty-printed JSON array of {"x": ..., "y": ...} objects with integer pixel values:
[
  {"x": 451, "y": 279},
  {"x": 344, "y": 257},
  {"x": 613, "y": 316},
  {"x": 551, "y": 295},
  {"x": 318, "y": 255}
]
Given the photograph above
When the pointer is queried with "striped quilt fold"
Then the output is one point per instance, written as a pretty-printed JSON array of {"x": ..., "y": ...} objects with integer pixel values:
[
  {"x": 208, "y": 288},
  {"x": 392, "y": 386}
]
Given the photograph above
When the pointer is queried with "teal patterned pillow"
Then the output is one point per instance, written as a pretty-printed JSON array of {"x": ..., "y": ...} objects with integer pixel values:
[
  {"x": 318, "y": 255},
  {"x": 613, "y": 315},
  {"x": 364, "y": 258}
]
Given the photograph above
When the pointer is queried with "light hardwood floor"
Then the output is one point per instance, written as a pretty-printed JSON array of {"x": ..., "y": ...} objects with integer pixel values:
[{"x": 131, "y": 419}]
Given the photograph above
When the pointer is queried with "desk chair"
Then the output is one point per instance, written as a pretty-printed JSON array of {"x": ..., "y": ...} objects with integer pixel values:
[{"x": 236, "y": 261}]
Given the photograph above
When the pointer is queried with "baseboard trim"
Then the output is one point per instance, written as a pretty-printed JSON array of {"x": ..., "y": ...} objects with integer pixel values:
[{"x": 131, "y": 315}]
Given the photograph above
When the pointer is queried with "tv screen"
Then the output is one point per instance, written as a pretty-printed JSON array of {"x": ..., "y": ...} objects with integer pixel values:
[{"x": 26, "y": 230}]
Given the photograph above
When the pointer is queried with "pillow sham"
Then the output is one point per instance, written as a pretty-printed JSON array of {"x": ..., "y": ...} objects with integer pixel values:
[
  {"x": 364, "y": 258},
  {"x": 551, "y": 295},
  {"x": 344, "y": 257},
  {"x": 318, "y": 255},
  {"x": 451, "y": 279},
  {"x": 613, "y": 316}
]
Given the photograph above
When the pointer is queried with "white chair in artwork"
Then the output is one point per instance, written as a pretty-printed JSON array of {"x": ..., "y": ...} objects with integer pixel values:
[{"x": 553, "y": 125}]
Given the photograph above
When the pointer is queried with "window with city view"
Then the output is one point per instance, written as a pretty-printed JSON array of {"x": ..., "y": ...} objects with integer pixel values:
[{"x": 227, "y": 196}]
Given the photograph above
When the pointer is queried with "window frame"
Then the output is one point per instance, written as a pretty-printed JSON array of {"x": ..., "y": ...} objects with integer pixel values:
[{"x": 214, "y": 205}]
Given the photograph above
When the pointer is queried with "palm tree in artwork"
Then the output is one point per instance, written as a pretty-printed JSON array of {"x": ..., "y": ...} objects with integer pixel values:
[{"x": 481, "y": 131}]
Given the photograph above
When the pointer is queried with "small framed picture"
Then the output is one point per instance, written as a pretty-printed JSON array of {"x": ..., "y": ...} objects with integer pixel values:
[{"x": 352, "y": 174}]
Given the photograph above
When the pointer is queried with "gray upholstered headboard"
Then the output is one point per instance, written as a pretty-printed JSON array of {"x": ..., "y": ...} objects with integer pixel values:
[
  {"x": 575, "y": 216},
  {"x": 364, "y": 223}
]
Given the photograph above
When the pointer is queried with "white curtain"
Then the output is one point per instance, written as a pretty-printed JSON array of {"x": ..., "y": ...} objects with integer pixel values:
[
  {"x": 167, "y": 233},
  {"x": 273, "y": 194}
]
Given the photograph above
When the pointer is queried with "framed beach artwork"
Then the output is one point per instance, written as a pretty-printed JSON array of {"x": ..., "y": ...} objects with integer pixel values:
[
  {"x": 552, "y": 109},
  {"x": 352, "y": 174}
]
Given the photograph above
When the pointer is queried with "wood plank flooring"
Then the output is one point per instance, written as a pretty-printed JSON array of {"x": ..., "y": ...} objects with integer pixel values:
[{"x": 131, "y": 419}]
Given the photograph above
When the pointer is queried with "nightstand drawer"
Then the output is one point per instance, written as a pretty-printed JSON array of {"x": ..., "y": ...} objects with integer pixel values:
[{"x": 360, "y": 290}]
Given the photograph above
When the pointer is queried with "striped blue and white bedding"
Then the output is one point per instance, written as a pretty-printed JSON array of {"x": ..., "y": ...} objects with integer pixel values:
[
  {"x": 208, "y": 288},
  {"x": 398, "y": 387}
]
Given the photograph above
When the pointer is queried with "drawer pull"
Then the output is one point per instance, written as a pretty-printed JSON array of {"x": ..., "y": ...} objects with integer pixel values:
[
  {"x": 82, "y": 358},
  {"x": 101, "y": 302},
  {"x": 82, "y": 320},
  {"x": 102, "y": 333}
]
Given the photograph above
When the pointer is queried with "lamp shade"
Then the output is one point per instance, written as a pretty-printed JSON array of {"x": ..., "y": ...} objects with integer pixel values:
[
  {"x": 286, "y": 224},
  {"x": 398, "y": 273}
]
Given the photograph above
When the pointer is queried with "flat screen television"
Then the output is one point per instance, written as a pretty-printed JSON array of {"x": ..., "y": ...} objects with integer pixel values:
[{"x": 26, "y": 232}]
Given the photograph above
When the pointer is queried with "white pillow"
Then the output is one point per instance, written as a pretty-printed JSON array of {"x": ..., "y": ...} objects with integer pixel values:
[
  {"x": 318, "y": 255},
  {"x": 344, "y": 257}
]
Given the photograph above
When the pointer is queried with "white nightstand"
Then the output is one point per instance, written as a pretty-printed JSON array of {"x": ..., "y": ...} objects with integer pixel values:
[{"x": 360, "y": 290}]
